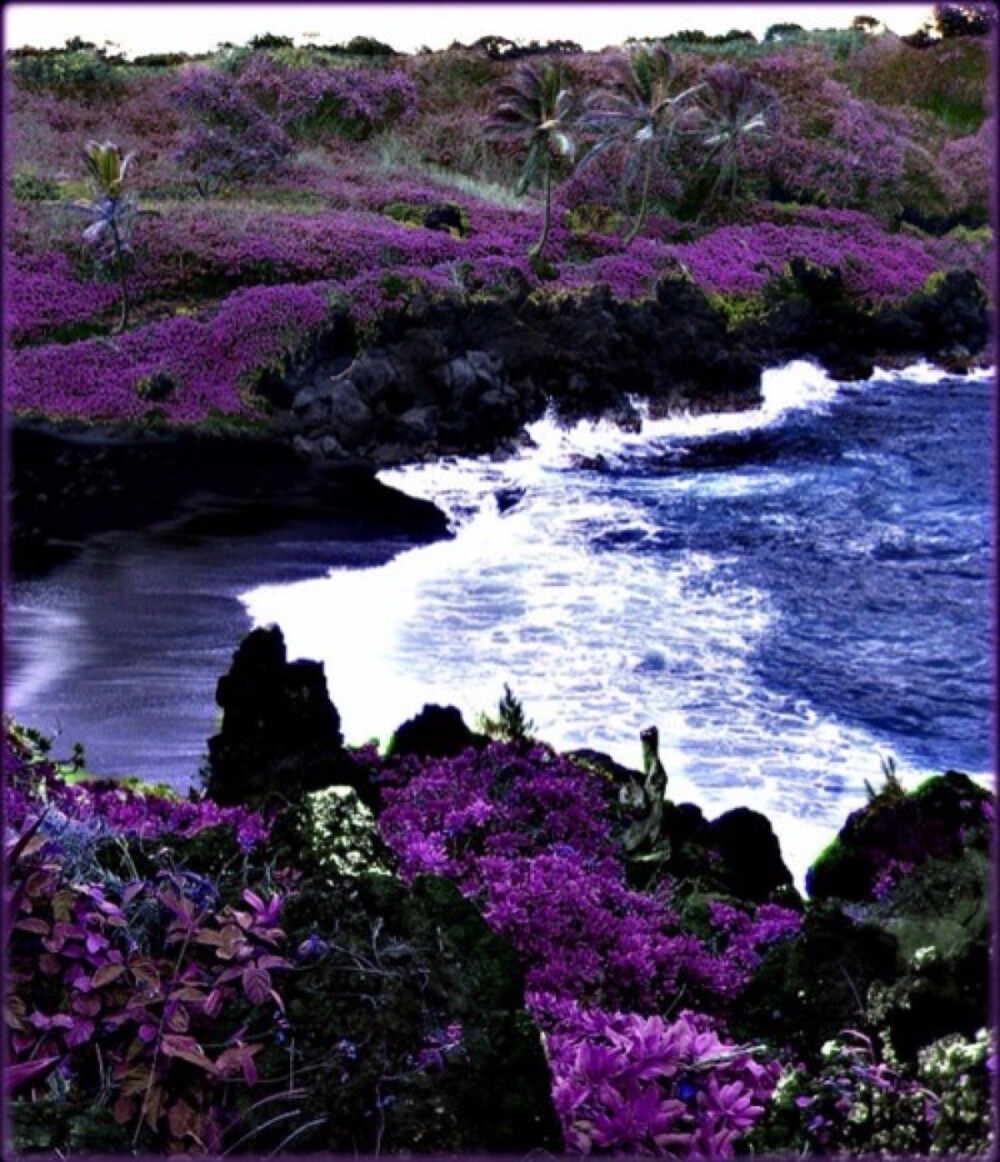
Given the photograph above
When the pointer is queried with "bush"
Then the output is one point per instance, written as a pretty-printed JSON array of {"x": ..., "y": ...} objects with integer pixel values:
[
  {"x": 29, "y": 187},
  {"x": 232, "y": 140},
  {"x": 78, "y": 74}
]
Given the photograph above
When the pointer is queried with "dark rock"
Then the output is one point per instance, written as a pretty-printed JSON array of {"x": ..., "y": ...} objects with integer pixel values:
[
  {"x": 751, "y": 866},
  {"x": 337, "y": 407},
  {"x": 418, "y": 425},
  {"x": 939, "y": 820},
  {"x": 811, "y": 988},
  {"x": 508, "y": 498},
  {"x": 445, "y": 216},
  {"x": 436, "y": 732},
  {"x": 280, "y": 732}
]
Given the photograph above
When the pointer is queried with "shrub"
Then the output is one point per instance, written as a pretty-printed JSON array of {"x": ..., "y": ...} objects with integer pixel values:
[
  {"x": 313, "y": 103},
  {"x": 29, "y": 187},
  {"x": 232, "y": 140}
]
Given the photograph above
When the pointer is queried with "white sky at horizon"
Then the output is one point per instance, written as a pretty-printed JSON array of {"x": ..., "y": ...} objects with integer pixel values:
[{"x": 137, "y": 29}]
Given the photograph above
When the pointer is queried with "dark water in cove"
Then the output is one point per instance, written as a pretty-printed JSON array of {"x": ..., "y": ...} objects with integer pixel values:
[{"x": 789, "y": 595}]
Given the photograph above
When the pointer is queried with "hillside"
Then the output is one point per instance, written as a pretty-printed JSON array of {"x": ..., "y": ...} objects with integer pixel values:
[{"x": 326, "y": 246}]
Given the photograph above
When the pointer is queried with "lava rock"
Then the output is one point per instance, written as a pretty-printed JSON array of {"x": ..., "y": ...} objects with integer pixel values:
[
  {"x": 436, "y": 732},
  {"x": 897, "y": 832},
  {"x": 445, "y": 216},
  {"x": 751, "y": 866},
  {"x": 280, "y": 732}
]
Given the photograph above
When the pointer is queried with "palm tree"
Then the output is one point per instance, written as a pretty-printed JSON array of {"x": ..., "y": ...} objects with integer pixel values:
[
  {"x": 113, "y": 210},
  {"x": 640, "y": 111},
  {"x": 536, "y": 105},
  {"x": 731, "y": 105}
]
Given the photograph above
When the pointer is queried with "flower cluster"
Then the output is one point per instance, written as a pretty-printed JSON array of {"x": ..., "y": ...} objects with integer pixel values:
[
  {"x": 626, "y": 1083},
  {"x": 862, "y": 1101},
  {"x": 877, "y": 268},
  {"x": 46, "y": 298},
  {"x": 738, "y": 942},
  {"x": 33, "y": 787},
  {"x": 312, "y": 102},
  {"x": 213, "y": 364}
]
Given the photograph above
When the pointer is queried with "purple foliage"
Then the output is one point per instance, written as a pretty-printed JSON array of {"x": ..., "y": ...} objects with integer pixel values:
[
  {"x": 212, "y": 361},
  {"x": 738, "y": 944},
  {"x": 231, "y": 139},
  {"x": 876, "y": 267},
  {"x": 528, "y": 836},
  {"x": 626, "y": 1083},
  {"x": 31, "y": 786},
  {"x": 313, "y": 101},
  {"x": 44, "y": 295}
]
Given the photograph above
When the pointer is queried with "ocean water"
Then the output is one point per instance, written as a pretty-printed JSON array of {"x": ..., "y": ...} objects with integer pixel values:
[{"x": 790, "y": 595}]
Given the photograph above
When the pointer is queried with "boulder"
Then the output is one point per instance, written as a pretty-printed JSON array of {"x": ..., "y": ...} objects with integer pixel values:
[
  {"x": 896, "y": 832},
  {"x": 750, "y": 864},
  {"x": 445, "y": 216},
  {"x": 436, "y": 732},
  {"x": 280, "y": 732},
  {"x": 336, "y": 407}
]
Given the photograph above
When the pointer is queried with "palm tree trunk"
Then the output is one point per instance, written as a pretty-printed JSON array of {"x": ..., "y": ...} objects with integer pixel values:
[
  {"x": 122, "y": 279},
  {"x": 640, "y": 217},
  {"x": 536, "y": 250}
]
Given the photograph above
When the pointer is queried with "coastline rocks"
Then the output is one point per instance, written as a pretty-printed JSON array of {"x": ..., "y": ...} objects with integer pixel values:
[
  {"x": 68, "y": 482},
  {"x": 280, "y": 733},
  {"x": 452, "y": 376},
  {"x": 436, "y": 732},
  {"x": 889, "y": 837}
]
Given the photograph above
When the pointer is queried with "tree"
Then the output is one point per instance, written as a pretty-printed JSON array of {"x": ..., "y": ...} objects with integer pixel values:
[
  {"x": 964, "y": 19},
  {"x": 113, "y": 210},
  {"x": 640, "y": 111},
  {"x": 783, "y": 32},
  {"x": 731, "y": 105},
  {"x": 536, "y": 105}
]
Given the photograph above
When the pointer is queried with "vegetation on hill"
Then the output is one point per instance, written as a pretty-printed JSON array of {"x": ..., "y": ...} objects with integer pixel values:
[{"x": 283, "y": 186}]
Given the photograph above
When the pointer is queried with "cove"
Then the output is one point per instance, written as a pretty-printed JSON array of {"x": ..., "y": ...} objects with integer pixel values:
[{"x": 789, "y": 594}]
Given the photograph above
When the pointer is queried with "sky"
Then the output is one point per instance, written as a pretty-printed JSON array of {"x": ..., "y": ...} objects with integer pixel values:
[{"x": 136, "y": 29}]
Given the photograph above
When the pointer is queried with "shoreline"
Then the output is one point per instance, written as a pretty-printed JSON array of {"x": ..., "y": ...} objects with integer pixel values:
[{"x": 443, "y": 379}]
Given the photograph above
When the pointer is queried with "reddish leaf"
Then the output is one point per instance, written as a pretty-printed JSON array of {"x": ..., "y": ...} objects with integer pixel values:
[
  {"x": 21, "y": 1075},
  {"x": 187, "y": 993},
  {"x": 268, "y": 960},
  {"x": 41, "y": 927},
  {"x": 37, "y": 884},
  {"x": 239, "y": 1057},
  {"x": 187, "y": 1049},
  {"x": 107, "y": 973},
  {"x": 182, "y": 1120},
  {"x": 178, "y": 1019},
  {"x": 256, "y": 984}
]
